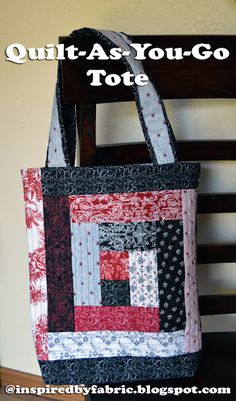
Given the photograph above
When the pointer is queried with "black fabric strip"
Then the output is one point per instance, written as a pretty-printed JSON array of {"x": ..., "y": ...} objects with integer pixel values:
[
  {"x": 118, "y": 369},
  {"x": 115, "y": 292},
  {"x": 171, "y": 275},
  {"x": 58, "y": 260},
  {"x": 117, "y": 179}
]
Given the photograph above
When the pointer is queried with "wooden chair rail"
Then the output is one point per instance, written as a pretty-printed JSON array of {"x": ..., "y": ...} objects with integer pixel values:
[
  {"x": 188, "y": 150},
  {"x": 90, "y": 154},
  {"x": 217, "y": 304},
  {"x": 175, "y": 79},
  {"x": 216, "y": 253},
  {"x": 216, "y": 203}
]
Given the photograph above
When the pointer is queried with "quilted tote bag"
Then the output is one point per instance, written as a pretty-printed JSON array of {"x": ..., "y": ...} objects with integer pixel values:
[{"x": 112, "y": 253}]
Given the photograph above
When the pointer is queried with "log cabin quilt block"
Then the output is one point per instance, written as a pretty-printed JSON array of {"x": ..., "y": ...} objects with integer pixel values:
[{"x": 108, "y": 277}]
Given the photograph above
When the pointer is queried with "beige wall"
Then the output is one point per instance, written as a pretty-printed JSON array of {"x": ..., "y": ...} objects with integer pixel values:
[{"x": 26, "y": 97}]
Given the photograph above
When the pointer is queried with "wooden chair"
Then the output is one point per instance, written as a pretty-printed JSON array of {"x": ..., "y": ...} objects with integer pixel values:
[{"x": 188, "y": 78}]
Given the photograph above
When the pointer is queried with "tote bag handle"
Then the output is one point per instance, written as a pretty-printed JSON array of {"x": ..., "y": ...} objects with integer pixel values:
[{"x": 156, "y": 127}]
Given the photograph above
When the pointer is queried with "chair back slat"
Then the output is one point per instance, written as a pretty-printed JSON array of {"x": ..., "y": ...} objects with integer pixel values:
[
  {"x": 176, "y": 79},
  {"x": 188, "y": 150},
  {"x": 217, "y": 304},
  {"x": 216, "y": 203},
  {"x": 216, "y": 253}
]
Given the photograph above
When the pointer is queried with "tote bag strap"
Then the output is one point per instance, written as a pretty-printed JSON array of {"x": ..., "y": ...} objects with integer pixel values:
[{"x": 156, "y": 128}]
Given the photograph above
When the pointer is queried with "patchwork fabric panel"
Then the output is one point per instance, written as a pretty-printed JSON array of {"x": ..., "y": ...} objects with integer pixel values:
[
  {"x": 114, "y": 279},
  {"x": 132, "y": 266}
]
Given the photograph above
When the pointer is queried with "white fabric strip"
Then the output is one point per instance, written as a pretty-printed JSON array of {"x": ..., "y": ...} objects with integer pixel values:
[
  {"x": 56, "y": 157},
  {"x": 150, "y": 105},
  {"x": 93, "y": 344},
  {"x": 85, "y": 264},
  {"x": 143, "y": 278},
  {"x": 193, "y": 325}
]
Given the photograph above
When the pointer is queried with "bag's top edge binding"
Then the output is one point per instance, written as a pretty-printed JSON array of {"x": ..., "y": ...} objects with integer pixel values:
[{"x": 168, "y": 166}]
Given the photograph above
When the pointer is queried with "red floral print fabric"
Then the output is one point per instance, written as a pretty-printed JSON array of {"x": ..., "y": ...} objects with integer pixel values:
[
  {"x": 114, "y": 265},
  {"x": 37, "y": 259},
  {"x": 126, "y": 207}
]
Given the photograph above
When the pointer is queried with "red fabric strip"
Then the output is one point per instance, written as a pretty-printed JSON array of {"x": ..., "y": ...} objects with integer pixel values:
[
  {"x": 122, "y": 318},
  {"x": 126, "y": 207},
  {"x": 114, "y": 265}
]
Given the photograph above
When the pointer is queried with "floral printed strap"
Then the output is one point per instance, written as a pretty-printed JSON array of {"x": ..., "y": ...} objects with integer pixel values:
[{"x": 155, "y": 124}]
